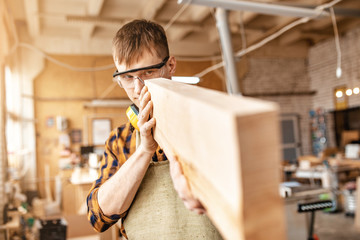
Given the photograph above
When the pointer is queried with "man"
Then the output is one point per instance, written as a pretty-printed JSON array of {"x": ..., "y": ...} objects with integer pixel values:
[{"x": 140, "y": 52}]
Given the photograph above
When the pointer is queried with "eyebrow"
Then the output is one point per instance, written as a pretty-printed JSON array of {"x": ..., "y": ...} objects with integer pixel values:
[{"x": 159, "y": 65}]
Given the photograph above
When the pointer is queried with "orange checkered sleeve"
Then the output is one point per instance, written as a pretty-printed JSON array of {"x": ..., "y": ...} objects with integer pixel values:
[
  {"x": 120, "y": 145},
  {"x": 118, "y": 148}
]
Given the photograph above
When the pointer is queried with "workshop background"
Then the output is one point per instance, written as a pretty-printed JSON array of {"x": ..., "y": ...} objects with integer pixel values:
[{"x": 58, "y": 100}]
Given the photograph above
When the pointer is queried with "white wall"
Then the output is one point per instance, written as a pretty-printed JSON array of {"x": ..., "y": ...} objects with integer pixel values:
[
  {"x": 32, "y": 64},
  {"x": 4, "y": 49},
  {"x": 24, "y": 66}
]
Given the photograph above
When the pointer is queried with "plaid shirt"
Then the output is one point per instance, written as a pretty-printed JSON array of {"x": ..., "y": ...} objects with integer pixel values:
[{"x": 120, "y": 145}]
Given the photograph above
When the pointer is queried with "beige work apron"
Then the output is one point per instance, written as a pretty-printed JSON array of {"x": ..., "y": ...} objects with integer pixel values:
[{"x": 157, "y": 211}]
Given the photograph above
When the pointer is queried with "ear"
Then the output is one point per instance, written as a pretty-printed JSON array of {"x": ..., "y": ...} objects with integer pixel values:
[{"x": 172, "y": 65}]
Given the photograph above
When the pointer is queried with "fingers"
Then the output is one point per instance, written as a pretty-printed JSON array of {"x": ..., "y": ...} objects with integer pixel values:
[
  {"x": 195, "y": 206},
  {"x": 144, "y": 100},
  {"x": 180, "y": 182},
  {"x": 144, "y": 113},
  {"x": 145, "y": 130},
  {"x": 175, "y": 168},
  {"x": 182, "y": 188},
  {"x": 190, "y": 202},
  {"x": 170, "y": 157},
  {"x": 143, "y": 92},
  {"x": 145, "y": 109},
  {"x": 146, "y": 122}
]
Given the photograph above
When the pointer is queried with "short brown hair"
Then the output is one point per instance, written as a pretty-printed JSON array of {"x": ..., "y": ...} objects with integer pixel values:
[{"x": 137, "y": 37}]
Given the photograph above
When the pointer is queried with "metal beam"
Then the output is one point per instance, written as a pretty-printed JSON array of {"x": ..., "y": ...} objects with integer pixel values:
[
  {"x": 339, "y": 11},
  {"x": 232, "y": 85},
  {"x": 264, "y": 8}
]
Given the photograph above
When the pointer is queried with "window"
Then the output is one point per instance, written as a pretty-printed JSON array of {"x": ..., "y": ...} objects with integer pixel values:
[{"x": 13, "y": 127}]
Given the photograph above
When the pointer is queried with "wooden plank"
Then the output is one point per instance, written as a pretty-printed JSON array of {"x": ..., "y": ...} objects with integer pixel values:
[{"x": 229, "y": 149}]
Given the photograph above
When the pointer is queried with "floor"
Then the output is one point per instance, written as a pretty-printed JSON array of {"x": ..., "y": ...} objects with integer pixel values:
[
  {"x": 335, "y": 226},
  {"x": 328, "y": 226}
]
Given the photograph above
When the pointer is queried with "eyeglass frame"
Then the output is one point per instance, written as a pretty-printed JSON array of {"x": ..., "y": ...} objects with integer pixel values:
[{"x": 156, "y": 66}]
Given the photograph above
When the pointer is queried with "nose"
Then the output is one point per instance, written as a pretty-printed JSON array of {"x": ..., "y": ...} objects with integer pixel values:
[{"x": 138, "y": 85}]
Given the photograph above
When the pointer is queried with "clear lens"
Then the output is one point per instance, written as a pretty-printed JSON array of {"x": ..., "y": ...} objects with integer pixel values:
[{"x": 127, "y": 80}]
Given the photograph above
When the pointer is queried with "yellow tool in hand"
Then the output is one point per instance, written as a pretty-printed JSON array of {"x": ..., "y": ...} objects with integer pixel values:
[{"x": 132, "y": 113}]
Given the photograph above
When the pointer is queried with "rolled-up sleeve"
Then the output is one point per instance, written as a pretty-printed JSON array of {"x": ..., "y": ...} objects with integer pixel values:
[
  {"x": 117, "y": 149},
  {"x": 97, "y": 218}
]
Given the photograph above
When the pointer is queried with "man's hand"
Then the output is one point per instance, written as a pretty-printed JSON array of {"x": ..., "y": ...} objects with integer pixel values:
[
  {"x": 182, "y": 188},
  {"x": 146, "y": 121}
]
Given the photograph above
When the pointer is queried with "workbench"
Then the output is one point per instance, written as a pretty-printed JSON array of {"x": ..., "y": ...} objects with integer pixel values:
[
  {"x": 12, "y": 225},
  {"x": 341, "y": 171}
]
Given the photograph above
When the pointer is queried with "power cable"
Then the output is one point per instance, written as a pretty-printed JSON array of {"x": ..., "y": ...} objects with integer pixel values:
[
  {"x": 65, "y": 65},
  {"x": 205, "y": 71},
  {"x": 253, "y": 47},
  {"x": 177, "y": 15},
  {"x": 242, "y": 31},
  {"x": 337, "y": 44}
]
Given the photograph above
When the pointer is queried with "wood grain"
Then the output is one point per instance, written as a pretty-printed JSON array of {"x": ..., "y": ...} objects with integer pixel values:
[{"x": 229, "y": 149}]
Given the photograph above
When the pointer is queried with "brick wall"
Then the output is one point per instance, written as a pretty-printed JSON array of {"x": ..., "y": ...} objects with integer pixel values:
[
  {"x": 322, "y": 63},
  {"x": 267, "y": 75},
  {"x": 322, "y": 69},
  {"x": 283, "y": 76},
  {"x": 317, "y": 73}
]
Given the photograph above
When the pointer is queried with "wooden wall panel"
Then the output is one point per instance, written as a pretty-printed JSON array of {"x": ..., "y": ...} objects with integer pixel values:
[
  {"x": 60, "y": 91},
  {"x": 213, "y": 80},
  {"x": 229, "y": 149}
]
